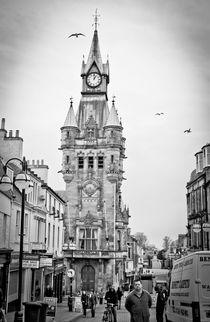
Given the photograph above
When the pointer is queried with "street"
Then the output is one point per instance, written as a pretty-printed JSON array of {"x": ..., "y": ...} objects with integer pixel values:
[{"x": 63, "y": 314}]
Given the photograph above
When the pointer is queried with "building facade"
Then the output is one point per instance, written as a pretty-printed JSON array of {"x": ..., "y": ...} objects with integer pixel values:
[
  {"x": 43, "y": 229},
  {"x": 198, "y": 202},
  {"x": 93, "y": 151}
]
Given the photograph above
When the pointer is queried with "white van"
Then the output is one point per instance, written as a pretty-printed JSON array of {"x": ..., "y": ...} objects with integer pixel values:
[{"x": 189, "y": 293}]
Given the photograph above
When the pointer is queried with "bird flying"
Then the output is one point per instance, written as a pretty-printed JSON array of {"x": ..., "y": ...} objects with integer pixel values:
[
  {"x": 76, "y": 35},
  {"x": 159, "y": 113},
  {"x": 188, "y": 131}
]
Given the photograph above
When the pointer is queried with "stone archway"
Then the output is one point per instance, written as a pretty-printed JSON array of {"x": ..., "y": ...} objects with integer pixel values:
[{"x": 88, "y": 278}]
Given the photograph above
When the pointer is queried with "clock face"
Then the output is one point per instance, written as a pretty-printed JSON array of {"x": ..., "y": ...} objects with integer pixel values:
[{"x": 94, "y": 79}]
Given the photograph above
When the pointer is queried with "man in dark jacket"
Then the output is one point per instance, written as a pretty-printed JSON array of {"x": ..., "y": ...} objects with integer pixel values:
[
  {"x": 111, "y": 297},
  {"x": 138, "y": 302},
  {"x": 161, "y": 302}
]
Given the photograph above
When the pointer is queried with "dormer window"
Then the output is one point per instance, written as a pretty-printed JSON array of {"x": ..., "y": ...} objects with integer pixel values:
[
  {"x": 199, "y": 161},
  {"x": 206, "y": 155}
]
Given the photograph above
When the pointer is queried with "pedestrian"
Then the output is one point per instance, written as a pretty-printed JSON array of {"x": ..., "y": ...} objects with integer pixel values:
[
  {"x": 1, "y": 298},
  {"x": 2, "y": 316},
  {"x": 161, "y": 302},
  {"x": 37, "y": 291},
  {"x": 48, "y": 291},
  {"x": 84, "y": 300},
  {"x": 92, "y": 303},
  {"x": 101, "y": 296},
  {"x": 111, "y": 298},
  {"x": 119, "y": 296},
  {"x": 138, "y": 303}
]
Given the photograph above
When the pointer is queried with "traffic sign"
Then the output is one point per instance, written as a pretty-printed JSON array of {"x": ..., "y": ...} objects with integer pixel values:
[{"x": 70, "y": 272}]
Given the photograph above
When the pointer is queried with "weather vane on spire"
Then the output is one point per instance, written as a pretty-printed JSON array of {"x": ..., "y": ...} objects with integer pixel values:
[{"x": 96, "y": 19}]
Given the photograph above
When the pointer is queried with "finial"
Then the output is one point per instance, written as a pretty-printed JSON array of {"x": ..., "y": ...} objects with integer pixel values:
[
  {"x": 71, "y": 101},
  {"x": 113, "y": 99},
  {"x": 96, "y": 19}
]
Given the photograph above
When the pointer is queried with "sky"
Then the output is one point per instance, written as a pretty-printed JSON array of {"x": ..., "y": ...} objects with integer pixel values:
[{"x": 159, "y": 55}]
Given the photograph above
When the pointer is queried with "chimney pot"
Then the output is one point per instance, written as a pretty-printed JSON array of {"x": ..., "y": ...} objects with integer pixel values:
[
  {"x": 17, "y": 133},
  {"x": 10, "y": 133}
]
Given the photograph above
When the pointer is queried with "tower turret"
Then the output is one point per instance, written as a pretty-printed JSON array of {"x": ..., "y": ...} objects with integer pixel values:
[{"x": 69, "y": 131}]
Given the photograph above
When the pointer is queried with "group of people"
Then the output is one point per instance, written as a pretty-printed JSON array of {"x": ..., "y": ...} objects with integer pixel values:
[
  {"x": 111, "y": 296},
  {"x": 88, "y": 301},
  {"x": 138, "y": 302}
]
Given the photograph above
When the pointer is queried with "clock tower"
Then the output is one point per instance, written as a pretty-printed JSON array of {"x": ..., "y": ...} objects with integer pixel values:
[{"x": 93, "y": 149}]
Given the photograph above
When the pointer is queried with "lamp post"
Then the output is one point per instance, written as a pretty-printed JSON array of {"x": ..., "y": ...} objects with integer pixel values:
[
  {"x": 201, "y": 227},
  {"x": 22, "y": 182}
]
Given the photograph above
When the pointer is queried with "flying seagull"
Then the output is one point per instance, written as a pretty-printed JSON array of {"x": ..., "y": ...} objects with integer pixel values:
[
  {"x": 188, "y": 131},
  {"x": 76, "y": 35},
  {"x": 159, "y": 113}
]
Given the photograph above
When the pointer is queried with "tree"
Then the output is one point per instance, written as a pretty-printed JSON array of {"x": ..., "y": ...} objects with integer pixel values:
[
  {"x": 141, "y": 239},
  {"x": 161, "y": 254},
  {"x": 166, "y": 242}
]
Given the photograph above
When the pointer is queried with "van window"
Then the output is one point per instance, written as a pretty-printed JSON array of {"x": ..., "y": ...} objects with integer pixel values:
[{"x": 205, "y": 282}]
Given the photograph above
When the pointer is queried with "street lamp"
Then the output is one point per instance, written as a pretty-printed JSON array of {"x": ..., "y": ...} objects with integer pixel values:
[
  {"x": 22, "y": 182},
  {"x": 200, "y": 228}
]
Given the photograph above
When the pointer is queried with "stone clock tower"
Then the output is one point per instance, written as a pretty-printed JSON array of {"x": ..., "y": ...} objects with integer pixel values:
[{"x": 93, "y": 150}]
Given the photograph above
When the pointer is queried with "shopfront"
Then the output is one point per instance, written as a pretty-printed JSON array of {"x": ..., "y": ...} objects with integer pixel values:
[{"x": 5, "y": 259}]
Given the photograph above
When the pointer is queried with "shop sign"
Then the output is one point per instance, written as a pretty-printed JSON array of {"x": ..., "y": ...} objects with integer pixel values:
[
  {"x": 30, "y": 261},
  {"x": 52, "y": 305},
  {"x": 46, "y": 261},
  {"x": 78, "y": 304}
]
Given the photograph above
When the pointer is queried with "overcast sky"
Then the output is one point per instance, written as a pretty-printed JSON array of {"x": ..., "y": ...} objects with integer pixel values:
[{"x": 159, "y": 54}]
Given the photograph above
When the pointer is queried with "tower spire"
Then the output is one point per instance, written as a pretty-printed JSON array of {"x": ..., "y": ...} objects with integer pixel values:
[{"x": 96, "y": 19}]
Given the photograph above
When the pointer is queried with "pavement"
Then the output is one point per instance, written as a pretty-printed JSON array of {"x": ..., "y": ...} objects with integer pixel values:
[{"x": 63, "y": 314}]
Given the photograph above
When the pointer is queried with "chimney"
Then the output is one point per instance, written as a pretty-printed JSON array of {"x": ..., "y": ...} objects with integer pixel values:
[
  {"x": 10, "y": 133},
  {"x": 3, "y": 124},
  {"x": 40, "y": 169},
  {"x": 17, "y": 133}
]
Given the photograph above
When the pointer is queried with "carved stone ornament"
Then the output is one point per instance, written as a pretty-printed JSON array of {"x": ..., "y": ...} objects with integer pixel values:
[
  {"x": 90, "y": 187},
  {"x": 88, "y": 219}
]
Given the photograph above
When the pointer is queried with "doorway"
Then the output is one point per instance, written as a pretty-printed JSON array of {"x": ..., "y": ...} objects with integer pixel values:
[{"x": 88, "y": 278}]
